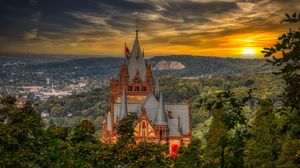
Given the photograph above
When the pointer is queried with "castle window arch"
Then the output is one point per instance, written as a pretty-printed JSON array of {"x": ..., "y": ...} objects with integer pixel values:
[{"x": 143, "y": 129}]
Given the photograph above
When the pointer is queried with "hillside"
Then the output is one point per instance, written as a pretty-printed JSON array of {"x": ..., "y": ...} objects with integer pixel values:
[
  {"x": 210, "y": 66},
  {"x": 23, "y": 70},
  {"x": 168, "y": 65}
]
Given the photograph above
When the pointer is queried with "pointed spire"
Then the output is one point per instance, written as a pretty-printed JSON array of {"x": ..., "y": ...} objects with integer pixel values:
[
  {"x": 149, "y": 77},
  {"x": 136, "y": 46},
  {"x": 137, "y": 29},
  {"x": 123, "y": 110},
  {"x": 136, "y": 59},
  {"x": 123, "y": 74},
  {"x": 161, "y": 117},
  {"x": 156, "y": 91}
]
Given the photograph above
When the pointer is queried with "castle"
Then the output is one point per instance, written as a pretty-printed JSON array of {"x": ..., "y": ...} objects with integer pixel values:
[{"x": 135, "y": 90}]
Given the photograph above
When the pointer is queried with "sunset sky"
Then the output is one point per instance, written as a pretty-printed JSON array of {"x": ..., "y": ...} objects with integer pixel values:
[{"x": 231, "y": 28}]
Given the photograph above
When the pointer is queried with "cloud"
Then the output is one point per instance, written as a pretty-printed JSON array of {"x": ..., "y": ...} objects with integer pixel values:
[
  {"x": 91, "y": 18},
  {"x": 33, "y": 3},
  {"x": 210, "y": 27},
  {"x": 36, "y": 16},
  {"x": 32, "y": 34}
]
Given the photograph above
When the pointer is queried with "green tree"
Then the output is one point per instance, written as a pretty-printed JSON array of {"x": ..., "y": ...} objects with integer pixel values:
[
  {"x": 263, "y": 148},
  {"x": 216, "y": 140},
  {"x": 190, "y": 156},
  {"x": 228, "y": 132},
  {"x": 290, "y": 155},
  {"x": 125, "y": 129},
  {"x": 84, "y": 132},
  {"x": 19, "y": 134},
  {"x": 286, "y": 55},
  {"x": 148, "y": 155}
]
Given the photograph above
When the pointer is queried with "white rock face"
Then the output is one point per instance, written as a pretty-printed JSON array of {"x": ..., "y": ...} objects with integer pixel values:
[{"x": 167, "y": 65}]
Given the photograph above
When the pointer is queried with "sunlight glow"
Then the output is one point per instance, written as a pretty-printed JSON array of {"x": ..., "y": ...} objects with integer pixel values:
[{"x": 248, "y": 51}]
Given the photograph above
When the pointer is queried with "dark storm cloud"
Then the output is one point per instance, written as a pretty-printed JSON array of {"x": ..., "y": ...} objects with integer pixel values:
[{"x": 20, "y": 16}]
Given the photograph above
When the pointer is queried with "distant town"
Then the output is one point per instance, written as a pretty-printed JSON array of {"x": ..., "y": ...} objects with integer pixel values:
[{"x": 40, "y": 84}]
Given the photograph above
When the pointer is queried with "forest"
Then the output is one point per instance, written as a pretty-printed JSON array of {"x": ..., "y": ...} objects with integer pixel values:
[{"x": 238, "y": 121}]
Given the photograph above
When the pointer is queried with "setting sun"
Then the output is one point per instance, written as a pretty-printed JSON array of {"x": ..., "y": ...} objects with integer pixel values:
[{"x": 248, "y": 51}]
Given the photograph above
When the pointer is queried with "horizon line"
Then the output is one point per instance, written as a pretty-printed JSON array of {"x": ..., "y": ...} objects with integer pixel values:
[{"x": 117, "y": 56}]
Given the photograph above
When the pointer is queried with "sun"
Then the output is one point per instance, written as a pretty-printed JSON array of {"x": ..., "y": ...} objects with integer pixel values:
[{"x": 248, "y": 51}]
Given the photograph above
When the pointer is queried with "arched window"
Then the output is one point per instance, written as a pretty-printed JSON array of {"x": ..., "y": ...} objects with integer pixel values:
[{"x": 143, "y": 129}]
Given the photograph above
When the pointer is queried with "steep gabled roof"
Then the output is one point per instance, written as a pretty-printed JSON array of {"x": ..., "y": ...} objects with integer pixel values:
[
  {"x": 136, "y": 61},
  {"x": 151, "y": 104},
  {"x": 143, "y": 117},
  {"x": 161, "y": 116}
]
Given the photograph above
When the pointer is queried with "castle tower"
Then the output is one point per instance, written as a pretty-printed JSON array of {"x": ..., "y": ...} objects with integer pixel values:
[{"x": 134, "y": 91}]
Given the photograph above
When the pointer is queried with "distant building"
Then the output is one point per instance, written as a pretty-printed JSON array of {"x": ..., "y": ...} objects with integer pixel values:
[
  {"x": 45, "y": 114},
  {"x": 135, "y": 90},
  {"x": 20, "y": 101}
]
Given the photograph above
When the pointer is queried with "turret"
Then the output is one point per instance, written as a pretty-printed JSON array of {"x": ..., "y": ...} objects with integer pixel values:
[
  {"x": 149, "y": 78},
  {"x": 161, "y": 122},
  {"x": 161, "y": 116},
  {"x": 123, "y": 75}
]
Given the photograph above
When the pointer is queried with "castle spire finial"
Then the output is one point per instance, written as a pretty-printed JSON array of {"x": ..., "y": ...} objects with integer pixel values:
[{"x": 137, "y": 28}]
